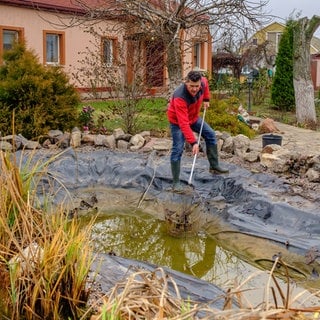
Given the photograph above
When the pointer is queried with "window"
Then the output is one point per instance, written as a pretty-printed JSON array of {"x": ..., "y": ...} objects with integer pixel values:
[
  {"x": 274, "y": 39},
  {"x": 54, "y": 48},
  {"x": 8, "y": 37},
  {"x": 196, "y": 55},
  {"x": 109, "y": 51}
]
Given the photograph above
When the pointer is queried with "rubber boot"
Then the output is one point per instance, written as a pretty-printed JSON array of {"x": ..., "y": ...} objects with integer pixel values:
[
  {"x": 212, "y": 154},
  {"x": 175, "y": 169}
]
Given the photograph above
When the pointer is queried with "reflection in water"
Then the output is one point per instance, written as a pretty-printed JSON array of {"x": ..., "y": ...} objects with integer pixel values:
[{"x": 142, "y": 237}]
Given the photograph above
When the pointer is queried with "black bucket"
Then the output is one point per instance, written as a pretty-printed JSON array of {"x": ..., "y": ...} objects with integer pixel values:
[{"x": 271, "y": 139}]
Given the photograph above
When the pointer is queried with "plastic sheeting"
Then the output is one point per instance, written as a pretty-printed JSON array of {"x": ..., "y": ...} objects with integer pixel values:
[
  {"x": 256, "y": 204},
  {"x": 114, "y": 269}
]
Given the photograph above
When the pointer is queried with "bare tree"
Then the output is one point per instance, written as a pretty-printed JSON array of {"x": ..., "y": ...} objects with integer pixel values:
[
  {"x": 303, "y": 30},
  {"x": 166, "y": 20}
]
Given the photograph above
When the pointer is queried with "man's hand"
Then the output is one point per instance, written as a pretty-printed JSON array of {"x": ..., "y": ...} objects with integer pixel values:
[
  {"x": 195, "y": 149},
  {"x": 206, "y": 104}
]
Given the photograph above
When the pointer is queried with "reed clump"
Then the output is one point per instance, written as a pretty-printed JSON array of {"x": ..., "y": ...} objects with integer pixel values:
[
  {"x": 44, "y": 257},
  {"x": 147, "y": 295}
]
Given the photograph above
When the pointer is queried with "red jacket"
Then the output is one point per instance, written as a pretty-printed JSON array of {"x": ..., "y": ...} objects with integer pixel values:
[{"x": 183, "y": 109}]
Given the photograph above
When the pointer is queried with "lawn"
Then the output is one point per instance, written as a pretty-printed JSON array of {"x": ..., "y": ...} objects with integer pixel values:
[
  {"x": 145, "y": 114},
  {"x": 134, "y": 116}
]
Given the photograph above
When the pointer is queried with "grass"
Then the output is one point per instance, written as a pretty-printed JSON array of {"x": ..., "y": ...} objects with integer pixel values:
[
  {"x": 148, "y": 114},
  {"x": 267, "y": 110}
]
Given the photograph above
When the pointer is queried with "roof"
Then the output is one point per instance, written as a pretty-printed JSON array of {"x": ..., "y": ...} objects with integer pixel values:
[
  {"x": 276, "y": 25},
  {"x": 82, "y": 6},
  {"x": 69, "y": 6}
]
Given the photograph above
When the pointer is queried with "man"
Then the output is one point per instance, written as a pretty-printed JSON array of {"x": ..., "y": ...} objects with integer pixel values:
[{"x": 183, "y": 115}]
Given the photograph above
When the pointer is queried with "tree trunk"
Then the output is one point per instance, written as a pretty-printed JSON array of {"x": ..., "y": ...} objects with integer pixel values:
[
  {"x": 304, "y": 92},
  {"x": 174, "y": 65}
]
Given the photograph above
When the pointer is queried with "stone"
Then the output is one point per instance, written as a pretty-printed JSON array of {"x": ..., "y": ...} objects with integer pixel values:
[
  {"x": 5, "y": 146},
  {"x": 228, "y": 145},
  {"x": 75, "y": 140},
  {"x": 162, "y": 144},
  {"x": 100, "y": 140},
  {"x": 145, "y": 134},
  {"x": 137, "y": 142},
  {"x": 241, "y": 144},
  {"x": 29, "y": 257},
  {"x": 125, "y": 136},
  {"x": 274, "y": 162},
  {"x": 110, "y": 141},
  {"x": 123, "y": 145},
  {"x": 118, "y": 133},
  {"x": 31, "y": 145},
  {"x": 55, "y": 133},
  {"x": 268, "y": 126},
  {"x": 88, "y": 138},
  {"x": 270, "y": 148},
  {"x": 252, "y": 156},
  {"x": 64, "y": 140},
  {"x": 313, "y": 175}
]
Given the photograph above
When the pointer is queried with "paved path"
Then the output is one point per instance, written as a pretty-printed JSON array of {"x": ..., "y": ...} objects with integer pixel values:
[{"x": 297, "y": 139}]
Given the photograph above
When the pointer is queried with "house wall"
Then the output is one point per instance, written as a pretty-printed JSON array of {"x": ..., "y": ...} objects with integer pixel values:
[
  {"x": 77, "y": 39},
  {"x": 315, "y": 72},
  {"x": 190, "y": 37},
  {"x": 261, "y": 36}
]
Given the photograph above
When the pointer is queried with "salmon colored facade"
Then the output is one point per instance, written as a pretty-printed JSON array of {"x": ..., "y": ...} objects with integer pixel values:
[
  {"x": 40, "y": 25},
  {"x": 315, "y": 70}
]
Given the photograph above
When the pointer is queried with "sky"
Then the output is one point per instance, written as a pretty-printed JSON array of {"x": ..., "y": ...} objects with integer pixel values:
[{"x": 283, "y": 9}]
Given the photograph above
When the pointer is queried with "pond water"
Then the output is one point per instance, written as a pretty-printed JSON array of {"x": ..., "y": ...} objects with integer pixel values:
[{"x": 140, "y": 236}]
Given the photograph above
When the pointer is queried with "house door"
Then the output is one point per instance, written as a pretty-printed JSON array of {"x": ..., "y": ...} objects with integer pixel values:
[{"x": 154, "y": 63}]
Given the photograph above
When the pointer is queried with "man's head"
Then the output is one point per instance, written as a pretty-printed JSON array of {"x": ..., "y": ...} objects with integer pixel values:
[{"x": 193, "y": 82}]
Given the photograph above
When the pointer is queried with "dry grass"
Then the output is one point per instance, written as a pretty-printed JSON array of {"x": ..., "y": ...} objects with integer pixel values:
[
  {"x": 145, "y": 295},
  {"x": 44, "y": 258}
]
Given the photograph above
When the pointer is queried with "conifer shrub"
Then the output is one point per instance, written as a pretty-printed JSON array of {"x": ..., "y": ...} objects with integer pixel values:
[
  {"x": 282, "y": 90},
  {"x": 40, "y": 97},
  {"x": 222, "y": 116}
]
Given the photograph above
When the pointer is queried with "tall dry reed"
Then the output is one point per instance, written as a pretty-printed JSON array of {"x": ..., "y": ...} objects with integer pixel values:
[{"x": 44, "y": 257}]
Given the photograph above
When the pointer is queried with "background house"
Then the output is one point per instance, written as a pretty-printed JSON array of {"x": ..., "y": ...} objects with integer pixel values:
[
  {"x": 264, "y": 45},
  {"x": 315, "y": 70},
  {"x": 95, "y": 53}
]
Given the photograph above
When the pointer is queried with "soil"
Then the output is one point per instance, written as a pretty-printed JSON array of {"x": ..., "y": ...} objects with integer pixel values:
[{"x": 299, "y": 184}]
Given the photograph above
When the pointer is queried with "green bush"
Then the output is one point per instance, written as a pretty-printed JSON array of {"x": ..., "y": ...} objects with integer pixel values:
[
  {"x": 282, "y": 90},
  {"x": 40, "y": 97},
  {"x": 222, "y": 116}
]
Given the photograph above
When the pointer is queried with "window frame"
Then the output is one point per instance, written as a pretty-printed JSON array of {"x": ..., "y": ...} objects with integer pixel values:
[
  {"x": 20, "y": 33},
  {"x": 198, "y": 54},
  {"x": 61, "y": 49},
  {"x": 114, "y": 52}
]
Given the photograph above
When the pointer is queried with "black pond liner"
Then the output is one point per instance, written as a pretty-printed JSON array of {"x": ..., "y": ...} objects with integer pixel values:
[
  {"x": 256, "y": 204},
  {"x": 116, "y": 269}
]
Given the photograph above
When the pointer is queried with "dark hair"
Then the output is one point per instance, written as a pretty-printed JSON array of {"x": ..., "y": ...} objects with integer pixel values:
[{"x": 194, "y": 76}]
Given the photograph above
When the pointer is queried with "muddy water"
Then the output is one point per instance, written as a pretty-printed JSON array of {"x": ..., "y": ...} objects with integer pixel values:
[{"x": 212, "y": 253}]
